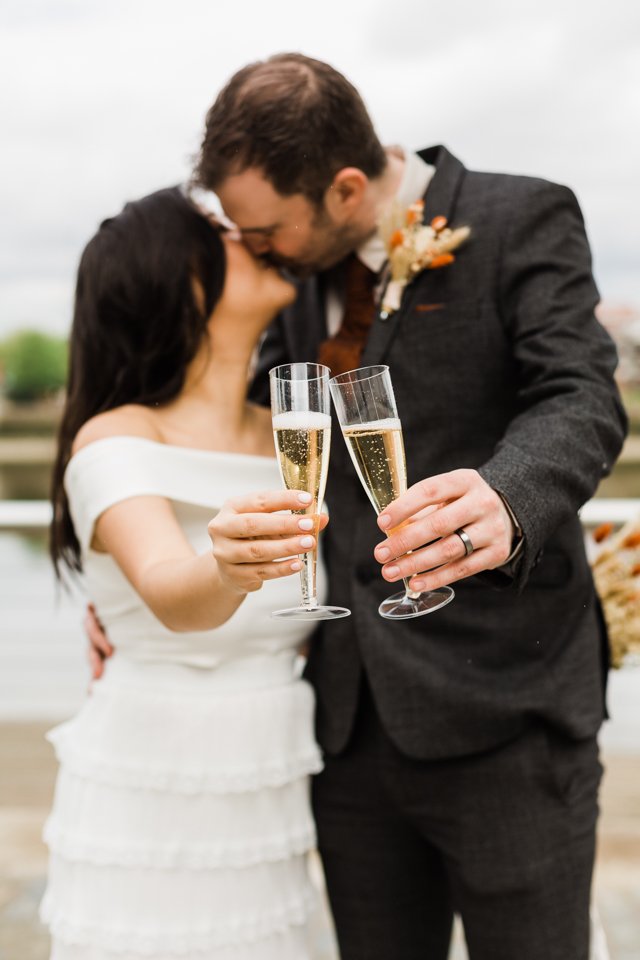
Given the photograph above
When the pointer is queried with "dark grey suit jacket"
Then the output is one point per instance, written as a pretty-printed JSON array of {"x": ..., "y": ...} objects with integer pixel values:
[{"x": 498, "y": 364}]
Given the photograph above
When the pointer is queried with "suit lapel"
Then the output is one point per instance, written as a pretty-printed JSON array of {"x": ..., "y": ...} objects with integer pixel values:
[{"x": 439, "y": 200}]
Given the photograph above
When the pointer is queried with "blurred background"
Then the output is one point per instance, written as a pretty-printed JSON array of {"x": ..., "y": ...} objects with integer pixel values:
[{"x": 105, "y": 102}]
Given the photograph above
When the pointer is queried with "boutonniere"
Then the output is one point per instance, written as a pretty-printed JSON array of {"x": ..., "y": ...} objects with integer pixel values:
[{"x": 413, "y": 246}]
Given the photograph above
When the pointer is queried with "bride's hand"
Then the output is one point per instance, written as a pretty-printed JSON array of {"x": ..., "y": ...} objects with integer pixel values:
[{"x": 250, "y": 536}]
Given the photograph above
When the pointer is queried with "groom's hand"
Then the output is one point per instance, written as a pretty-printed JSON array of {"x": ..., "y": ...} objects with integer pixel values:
[
  {"x": 421, "y": 526},
  {"x": 99, "y": 647},
  {"x": 251, "y": 535}
]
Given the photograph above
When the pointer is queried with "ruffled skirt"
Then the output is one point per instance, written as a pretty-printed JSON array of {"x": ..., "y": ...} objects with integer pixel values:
[{"x": 181, "y": 822}]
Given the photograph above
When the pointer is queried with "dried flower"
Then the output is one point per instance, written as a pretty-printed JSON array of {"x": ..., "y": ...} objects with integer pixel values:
[
  {"x": 414, "y": 246},
  {"x": 602, "y": 532},
  {"x": 615, "y": 570}
]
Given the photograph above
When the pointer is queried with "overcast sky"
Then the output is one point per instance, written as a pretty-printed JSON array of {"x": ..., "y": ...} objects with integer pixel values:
[{"x": 104, "y": 101}]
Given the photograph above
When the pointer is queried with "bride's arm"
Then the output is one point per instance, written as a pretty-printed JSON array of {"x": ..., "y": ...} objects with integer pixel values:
[{"x": 187, "y": 591}]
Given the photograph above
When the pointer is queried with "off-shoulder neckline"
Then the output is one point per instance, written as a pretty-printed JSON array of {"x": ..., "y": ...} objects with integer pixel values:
[{"x": 176, "y": 448}]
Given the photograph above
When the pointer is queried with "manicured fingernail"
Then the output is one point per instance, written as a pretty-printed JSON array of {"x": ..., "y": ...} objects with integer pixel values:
[
  {"x": 417, "y": 584},
  {"x": 382, "y": 553},
  {"x": 305, "y": 524},
  {"x": 296, "y": 565},
  {"x": 306, "y": 542},
  {"x": 384, "y": 521},
  {"x": 304, "y": 497},
  {"x": 392, "y": 571}
]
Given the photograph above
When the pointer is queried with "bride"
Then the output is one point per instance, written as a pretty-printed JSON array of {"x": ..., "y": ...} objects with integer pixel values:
[{"x": 181, "y": 822}]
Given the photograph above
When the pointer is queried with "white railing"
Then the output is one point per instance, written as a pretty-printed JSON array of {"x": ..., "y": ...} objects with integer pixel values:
[
  {"x": 24, "y": 514},
  {"x": 27, "y": 515},
  {"x": 601, "y": 510}
]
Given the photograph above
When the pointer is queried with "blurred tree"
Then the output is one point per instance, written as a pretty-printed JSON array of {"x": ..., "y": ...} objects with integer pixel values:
[{"x": 34, "y": 365}]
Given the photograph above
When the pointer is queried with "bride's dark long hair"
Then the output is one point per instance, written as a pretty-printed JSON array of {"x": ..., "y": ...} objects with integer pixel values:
[{"x": 136, "y": 324}]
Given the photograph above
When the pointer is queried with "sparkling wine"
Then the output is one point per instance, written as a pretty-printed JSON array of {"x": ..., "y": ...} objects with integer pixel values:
[
  {"x": 368, "y": 416},
  {"x": 377, "y": 451},
  {"x": 300, "y": 413},
  {"x": 302, "y": 444},
  {"x": 303, "y": 441}
]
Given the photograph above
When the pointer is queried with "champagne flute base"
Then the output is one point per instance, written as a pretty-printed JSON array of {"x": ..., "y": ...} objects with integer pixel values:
[
  {"x": 402, "y": 607},
  {"x": 311, "y": 613}
]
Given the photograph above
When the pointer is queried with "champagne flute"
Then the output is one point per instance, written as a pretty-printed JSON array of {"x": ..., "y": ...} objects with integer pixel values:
[
  {"x": 366, "y": 409},
  {"x": 300, "y": 408}
]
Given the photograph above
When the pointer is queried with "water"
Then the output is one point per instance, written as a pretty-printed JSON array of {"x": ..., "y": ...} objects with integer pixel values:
[{"x": 43, "y": 667}]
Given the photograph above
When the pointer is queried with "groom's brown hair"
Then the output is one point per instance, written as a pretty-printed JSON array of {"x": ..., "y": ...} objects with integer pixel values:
[{"x": 296, "y": 119}]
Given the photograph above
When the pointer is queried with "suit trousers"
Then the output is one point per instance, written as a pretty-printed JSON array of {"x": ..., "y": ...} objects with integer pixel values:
[{"x": 506, "y": 839}]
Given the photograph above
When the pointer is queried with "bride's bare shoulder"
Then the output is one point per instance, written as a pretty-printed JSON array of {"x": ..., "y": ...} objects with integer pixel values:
[{"x": 131, "y": 420}]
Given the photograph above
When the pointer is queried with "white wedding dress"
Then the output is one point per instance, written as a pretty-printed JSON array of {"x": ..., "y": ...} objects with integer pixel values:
[{"x": 181, "y": 823}]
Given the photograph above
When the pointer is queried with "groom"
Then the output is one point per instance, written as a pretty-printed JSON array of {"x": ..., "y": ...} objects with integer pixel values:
[{"x": 461, "y": 758}]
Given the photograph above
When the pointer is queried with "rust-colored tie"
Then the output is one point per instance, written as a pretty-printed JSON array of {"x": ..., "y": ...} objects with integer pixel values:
[{"x": 342, "y": 352}]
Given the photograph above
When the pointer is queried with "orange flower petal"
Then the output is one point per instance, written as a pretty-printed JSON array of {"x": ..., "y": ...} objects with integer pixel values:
[
  {"x": 439, "y": 223},
  {"x": 396, "y": 239},
  {"x": 414, "y": 213},
  {"x": 602, "y": 532},
  {"x": 442, "y": 260}
]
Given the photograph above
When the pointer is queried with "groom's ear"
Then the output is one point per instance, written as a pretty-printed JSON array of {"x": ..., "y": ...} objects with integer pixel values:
[{"x": 343, "y": 197}]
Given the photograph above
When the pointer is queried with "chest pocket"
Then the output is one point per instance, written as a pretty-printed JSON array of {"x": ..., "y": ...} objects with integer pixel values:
[
  {"x": 452, "y": 364},
  {"x": 444, "y": 318},
  {"x": 455, "y": 338}
]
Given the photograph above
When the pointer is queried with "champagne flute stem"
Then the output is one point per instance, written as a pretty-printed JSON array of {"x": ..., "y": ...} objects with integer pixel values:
[
  {"x": 308, "y": 580},
  {"x": 411, "y": 594}
]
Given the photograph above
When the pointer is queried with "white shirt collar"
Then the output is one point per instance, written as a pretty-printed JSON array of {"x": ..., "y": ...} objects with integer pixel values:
[{"x": 416, "y": 177}]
